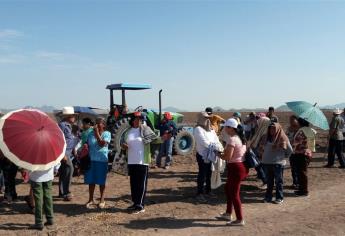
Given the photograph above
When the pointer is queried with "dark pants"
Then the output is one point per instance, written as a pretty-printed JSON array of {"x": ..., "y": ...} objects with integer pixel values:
[
  {"x": 294, "y": 173},
  {"x": 2, "y": 181},
  {"x": 65, "y": 178},
  {"x": 43, "y": 201},
  {"x": 165, "y": 150},
  {"x": 204, "y": 175},
  {"x": 274, "y": 175},
  {"x": 261, "y": 173},
  {"x": 237, "y": 172},
  {"x": 301, "y": 163},
  {"x": 9, "y": 173},
  {"x": 335, "y": 147},
  {"x": 138, "y": 180}
]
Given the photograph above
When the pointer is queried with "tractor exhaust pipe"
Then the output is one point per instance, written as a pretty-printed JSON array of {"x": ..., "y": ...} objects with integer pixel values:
[{"x": 160, "y": 105}]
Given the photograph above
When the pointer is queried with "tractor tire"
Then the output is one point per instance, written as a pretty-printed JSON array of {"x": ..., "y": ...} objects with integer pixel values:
[
  {"x": 119, "y": 130},
  {"x": 184, "y": 143}
]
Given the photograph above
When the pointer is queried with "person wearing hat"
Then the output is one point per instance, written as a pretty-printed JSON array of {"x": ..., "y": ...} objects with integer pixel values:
[
  {"x": 98, "y": 141},
  {"x": 216, "y": 120},
  {"x": 136, "y": 143},
  {"x": 234, "y": 156},
  {"x": 204, "y": 136},
  {"x": 237, "y": 116},
  {"x": 66, "y": 169},
  {"x": 250, "y": 125},
  {"x": 336, "y": 138},
  {"x": 271, "y": 115},
  {"x": 168, "y": 131}
]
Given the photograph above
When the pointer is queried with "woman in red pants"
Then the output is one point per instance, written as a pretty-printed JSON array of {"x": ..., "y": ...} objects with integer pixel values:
[{"x": 237, "y": 172}]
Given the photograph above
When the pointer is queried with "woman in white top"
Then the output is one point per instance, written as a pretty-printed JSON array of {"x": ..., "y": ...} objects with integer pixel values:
[
  {"x": 204, "y": 135},
  {"x": 137, "y": 144}
]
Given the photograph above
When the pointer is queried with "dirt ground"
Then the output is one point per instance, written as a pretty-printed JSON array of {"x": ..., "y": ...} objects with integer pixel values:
[{"x": 172, "y": 209}]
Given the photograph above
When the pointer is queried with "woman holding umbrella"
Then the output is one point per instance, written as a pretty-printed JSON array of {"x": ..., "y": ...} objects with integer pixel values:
[
  {"x": 303, "y": 147},
  {"x": 304, "y": 140}
]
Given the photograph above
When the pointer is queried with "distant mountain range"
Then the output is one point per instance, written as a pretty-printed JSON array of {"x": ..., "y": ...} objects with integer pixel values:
[
  {"x": 327, "y": 107},
  {"x": 50, "y": 109},
  {"x": 45, "y": 108}
]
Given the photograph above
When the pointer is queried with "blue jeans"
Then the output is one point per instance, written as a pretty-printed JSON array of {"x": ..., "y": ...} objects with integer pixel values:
[
  {"x": 165, "y": 150},
  {"x": 274, "y": 174}
]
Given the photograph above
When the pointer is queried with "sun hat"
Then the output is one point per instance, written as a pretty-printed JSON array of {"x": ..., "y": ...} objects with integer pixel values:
[
  {"x": 67, "y": 111},
  {"x": 233, "y": 123}
]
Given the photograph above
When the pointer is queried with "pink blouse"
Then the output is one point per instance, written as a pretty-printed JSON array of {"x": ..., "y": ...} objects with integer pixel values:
[{"x": 239, "y": 149}]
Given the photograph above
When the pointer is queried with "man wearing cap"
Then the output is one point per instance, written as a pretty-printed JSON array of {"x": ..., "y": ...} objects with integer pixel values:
[
  {"x": 335, "y": 140},
  {"x": 271, "y": 115},
  {"x": 66, "y": 169},
  {"x": 215, "y": 120},
  {"x": 168, "y": 130}
]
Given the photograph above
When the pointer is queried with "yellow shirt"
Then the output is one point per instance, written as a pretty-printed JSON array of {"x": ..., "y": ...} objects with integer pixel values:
[{"x": 215, "y": 122}]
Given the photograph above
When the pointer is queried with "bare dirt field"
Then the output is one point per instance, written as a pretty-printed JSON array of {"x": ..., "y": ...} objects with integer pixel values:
[{"x": 172, "y": 209}]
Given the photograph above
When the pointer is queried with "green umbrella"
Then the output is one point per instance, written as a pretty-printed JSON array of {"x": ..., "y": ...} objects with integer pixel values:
[{"x": 310, "y": 113}]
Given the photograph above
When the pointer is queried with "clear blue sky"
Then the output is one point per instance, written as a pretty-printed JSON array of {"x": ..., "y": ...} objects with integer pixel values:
[{"x": 231, "y": 54}]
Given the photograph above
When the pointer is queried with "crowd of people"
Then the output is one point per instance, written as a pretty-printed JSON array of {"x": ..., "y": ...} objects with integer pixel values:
[
  {"x": 220, "y": 143},
  {"x": 273, "y": 146}
]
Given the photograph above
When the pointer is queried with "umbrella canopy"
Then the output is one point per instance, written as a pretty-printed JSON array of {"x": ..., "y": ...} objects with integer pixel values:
[
  {"x": 31, "y": 139},
  {"x": 310, "y": 113},
  {"x": 86, "y": 110}
]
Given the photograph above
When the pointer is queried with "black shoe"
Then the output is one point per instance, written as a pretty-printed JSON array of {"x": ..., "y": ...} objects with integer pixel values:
[
  {"x": 301, "y": 194},
  {"x": 328, "y": 166},
  {"x": 49, "y": 223},
  {"x": 341, "y": 167},
  {"x": 36, "y": 227},
  {"x": 131, "y": 208}
]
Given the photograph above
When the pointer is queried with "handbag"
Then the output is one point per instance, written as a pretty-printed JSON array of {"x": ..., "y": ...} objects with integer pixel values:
[
  {"x": 250, "y": 159},
  {"x": 84, "y": 158}
]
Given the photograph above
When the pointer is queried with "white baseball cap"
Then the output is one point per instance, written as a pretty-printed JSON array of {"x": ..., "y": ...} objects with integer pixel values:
[
  {"x": 233, "y": 123},
  {"x": 68, "y": 111},
  {"x": 337, "y": 111}
]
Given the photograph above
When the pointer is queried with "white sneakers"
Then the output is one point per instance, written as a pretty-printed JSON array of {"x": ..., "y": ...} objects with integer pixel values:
[{"x": 236, "y": 223}]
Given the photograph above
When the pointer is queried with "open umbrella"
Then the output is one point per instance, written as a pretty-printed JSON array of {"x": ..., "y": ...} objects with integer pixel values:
[
  {"x": 31, "y": 140},
  {"x": 310, "y": 113}
]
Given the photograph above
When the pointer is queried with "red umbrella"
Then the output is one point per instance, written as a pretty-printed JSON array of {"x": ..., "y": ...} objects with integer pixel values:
[{"x": 31, "y": 139}]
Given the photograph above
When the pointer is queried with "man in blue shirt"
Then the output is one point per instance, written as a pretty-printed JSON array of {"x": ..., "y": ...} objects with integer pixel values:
[
  {"x": 66, "y": 169},
  {"x": 168, "y": 131}
]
